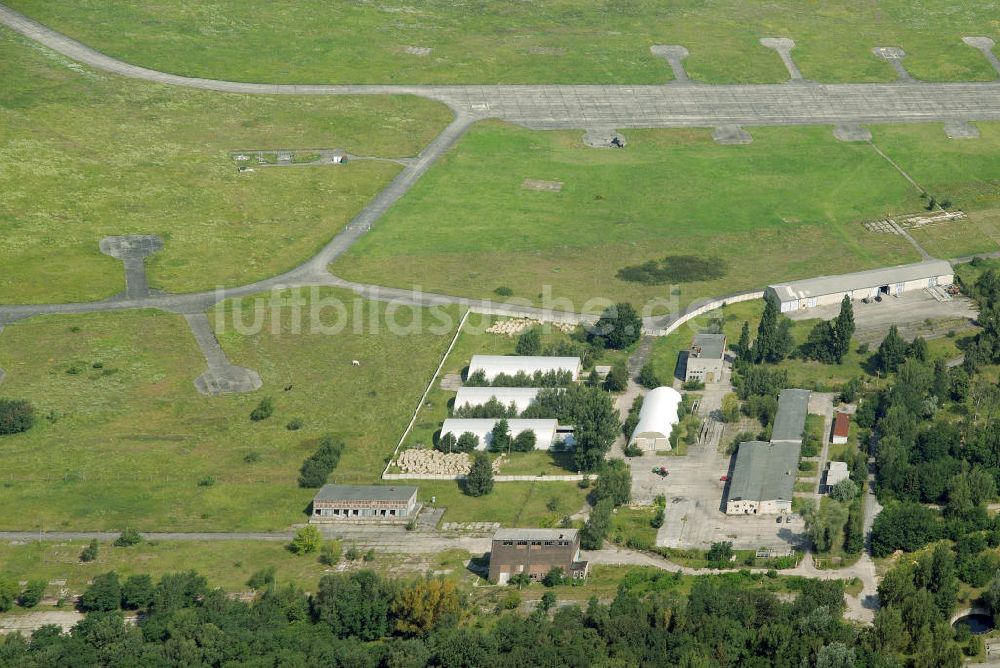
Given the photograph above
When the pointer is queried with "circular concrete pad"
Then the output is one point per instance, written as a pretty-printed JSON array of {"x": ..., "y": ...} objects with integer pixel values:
[
  {"x": 984, "y": 43},
  {"x": 852, "y": 132},
  {"x": 778, "y": 43},
  {"x": 669, "y": 51},
  {"x": 139, "y": 245}
]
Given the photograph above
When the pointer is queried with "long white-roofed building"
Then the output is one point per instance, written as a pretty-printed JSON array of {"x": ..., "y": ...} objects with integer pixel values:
[
  {"x": 493, "y": 365},
  {"x": 657, "y": 418},
  {"x": 544, "y": 430},
  {"x": 825, "y": 290},
  {"x": 521, "y": 397}
]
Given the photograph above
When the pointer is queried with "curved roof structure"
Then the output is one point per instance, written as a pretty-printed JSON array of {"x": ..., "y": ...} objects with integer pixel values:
[
  {"x": 492, "y": 365},
  {"x": 826, "y": 285},
  {"x": 521, "y": 397},
  {"x": 658, "y": 414},
  {"x": 545, "y": 430}
]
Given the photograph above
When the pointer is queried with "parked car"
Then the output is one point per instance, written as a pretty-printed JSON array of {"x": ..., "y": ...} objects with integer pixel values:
[
  {"x": 724, "y": 478},
  {"x": 661, "y": 471}
]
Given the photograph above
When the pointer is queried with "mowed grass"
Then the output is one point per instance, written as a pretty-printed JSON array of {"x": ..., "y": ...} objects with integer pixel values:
[
  {"x": 546, "y": 41},
  {"x": 964, "y": 171},
  {"x": 130, "y": 442},
  {"x": 789, "y": 205},
  {"x": 512, "y": 504},
  {"x": 84, "y": 155}
]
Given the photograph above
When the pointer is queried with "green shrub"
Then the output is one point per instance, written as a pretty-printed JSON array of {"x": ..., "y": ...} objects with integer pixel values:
[
  {"x": 263, "y": 410},
  {"x": 308, "y": 539},
  {"x": 128, "y": 538},
  {"x": 32, "y": 594},
  {"x": 294, "y": 424},
  {"x": 504, "y": 291},
  {"x": 16, "y": 416},
  {"x": 90, "y": 552},
  {"x": 207, "y": 481},
  {"x": 316, "y": 469},
  {"x": 262, "y": 578},
  {"x": 329, "y": 554}
]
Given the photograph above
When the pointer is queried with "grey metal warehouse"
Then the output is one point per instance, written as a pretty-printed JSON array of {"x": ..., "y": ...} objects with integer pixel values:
[{"x": 892, "y": 281}]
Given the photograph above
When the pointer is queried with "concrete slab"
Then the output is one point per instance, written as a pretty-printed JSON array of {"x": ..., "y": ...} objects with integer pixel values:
[
  {"x": 222, "y": 377},
  {"x": 604, "y": 138},
  {"x": 674, "y": 54},
  {"x": 731, "y": 134},
  {"x": 132, "y": 250},
  {"x": 894, "y": 56},
  {"x": 784, "y": 46},
  {"x": 852, "y": 132},
  {"x": 961, "y": 130},
  {"x": 985, "y": 45},
  {"x": 915, "y": 313}
]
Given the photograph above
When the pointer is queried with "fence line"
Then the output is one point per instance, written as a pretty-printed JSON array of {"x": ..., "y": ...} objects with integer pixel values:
[
  {"x": 573, "y": 477},
  {"x": 423, "y": 397}
]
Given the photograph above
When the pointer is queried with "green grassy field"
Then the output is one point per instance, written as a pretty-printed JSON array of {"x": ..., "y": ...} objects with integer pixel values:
[
  {"x": 85, "y": 155},
  {"x": 130, "y": 442},
  {"x": 550, "y": 41},
  {"x": 512, "y": 504},
  {"x": 778, "y": 208},
  {"x": 966, "y": 172}
]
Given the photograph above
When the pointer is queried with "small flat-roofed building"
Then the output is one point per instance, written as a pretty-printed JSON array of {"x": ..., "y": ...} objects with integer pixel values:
[
  {"x": 841, "y": 428},
  {"x": 657, "y": 418},
  {"x": 492, "y": 365},
  {"x": 763, "y": 480},
  {"x": 545, "y": 430},
  {"x": 835, "y": 472},
  {"x": 706, "y": 358},
  {"x": 521, "y": 397},
  {"x": 535, "y": 552},
  {"x": 790, "y": 420},
  {"x": 364, "y": 503},
  {"x": 824, "y": 290}
]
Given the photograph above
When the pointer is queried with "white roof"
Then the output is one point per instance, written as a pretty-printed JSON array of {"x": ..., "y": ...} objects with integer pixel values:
[
  {"x": 521, "y": 397},
  {"x": 511, "y": 364},
  {"x": 480, "y": 427},
  {"x": 828, "y": 285},
  {"x": 658, "y": 414}
]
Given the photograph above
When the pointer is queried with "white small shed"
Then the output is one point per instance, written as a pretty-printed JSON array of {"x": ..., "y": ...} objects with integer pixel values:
[{"x": 657, "y": 418}]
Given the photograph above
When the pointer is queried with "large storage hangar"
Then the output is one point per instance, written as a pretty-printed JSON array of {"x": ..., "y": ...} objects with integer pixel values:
[
  {"x": 657, "y": 418},
  {"x": 492, "y": 365},
  {"x": 825, "y": 290},
  {"x": 763, "y": 478},
  {"x": 545, "y": 430},
  {"x": 521, "y": 397}
]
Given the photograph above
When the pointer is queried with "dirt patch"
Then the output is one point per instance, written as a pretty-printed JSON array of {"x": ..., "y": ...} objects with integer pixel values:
[
  {"x": 544, "y": 186},
  {"x": 546, "y": 51},
  {"x": 417, "y": 50}
]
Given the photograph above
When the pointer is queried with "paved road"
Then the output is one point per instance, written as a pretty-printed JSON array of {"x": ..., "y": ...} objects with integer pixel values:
[
  {"x": 682, "y": 104},
  {"x": 678, "y": 105}
]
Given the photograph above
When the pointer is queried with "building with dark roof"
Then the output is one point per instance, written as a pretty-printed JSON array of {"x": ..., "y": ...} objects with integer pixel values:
[
  {"x": 763, "y": 478},
  {"x": 706, "y": 358},
  {"x": 790, "y": 420},
  {"x": 364, "y": 503},
  {"x": 534, "y": 552}
]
